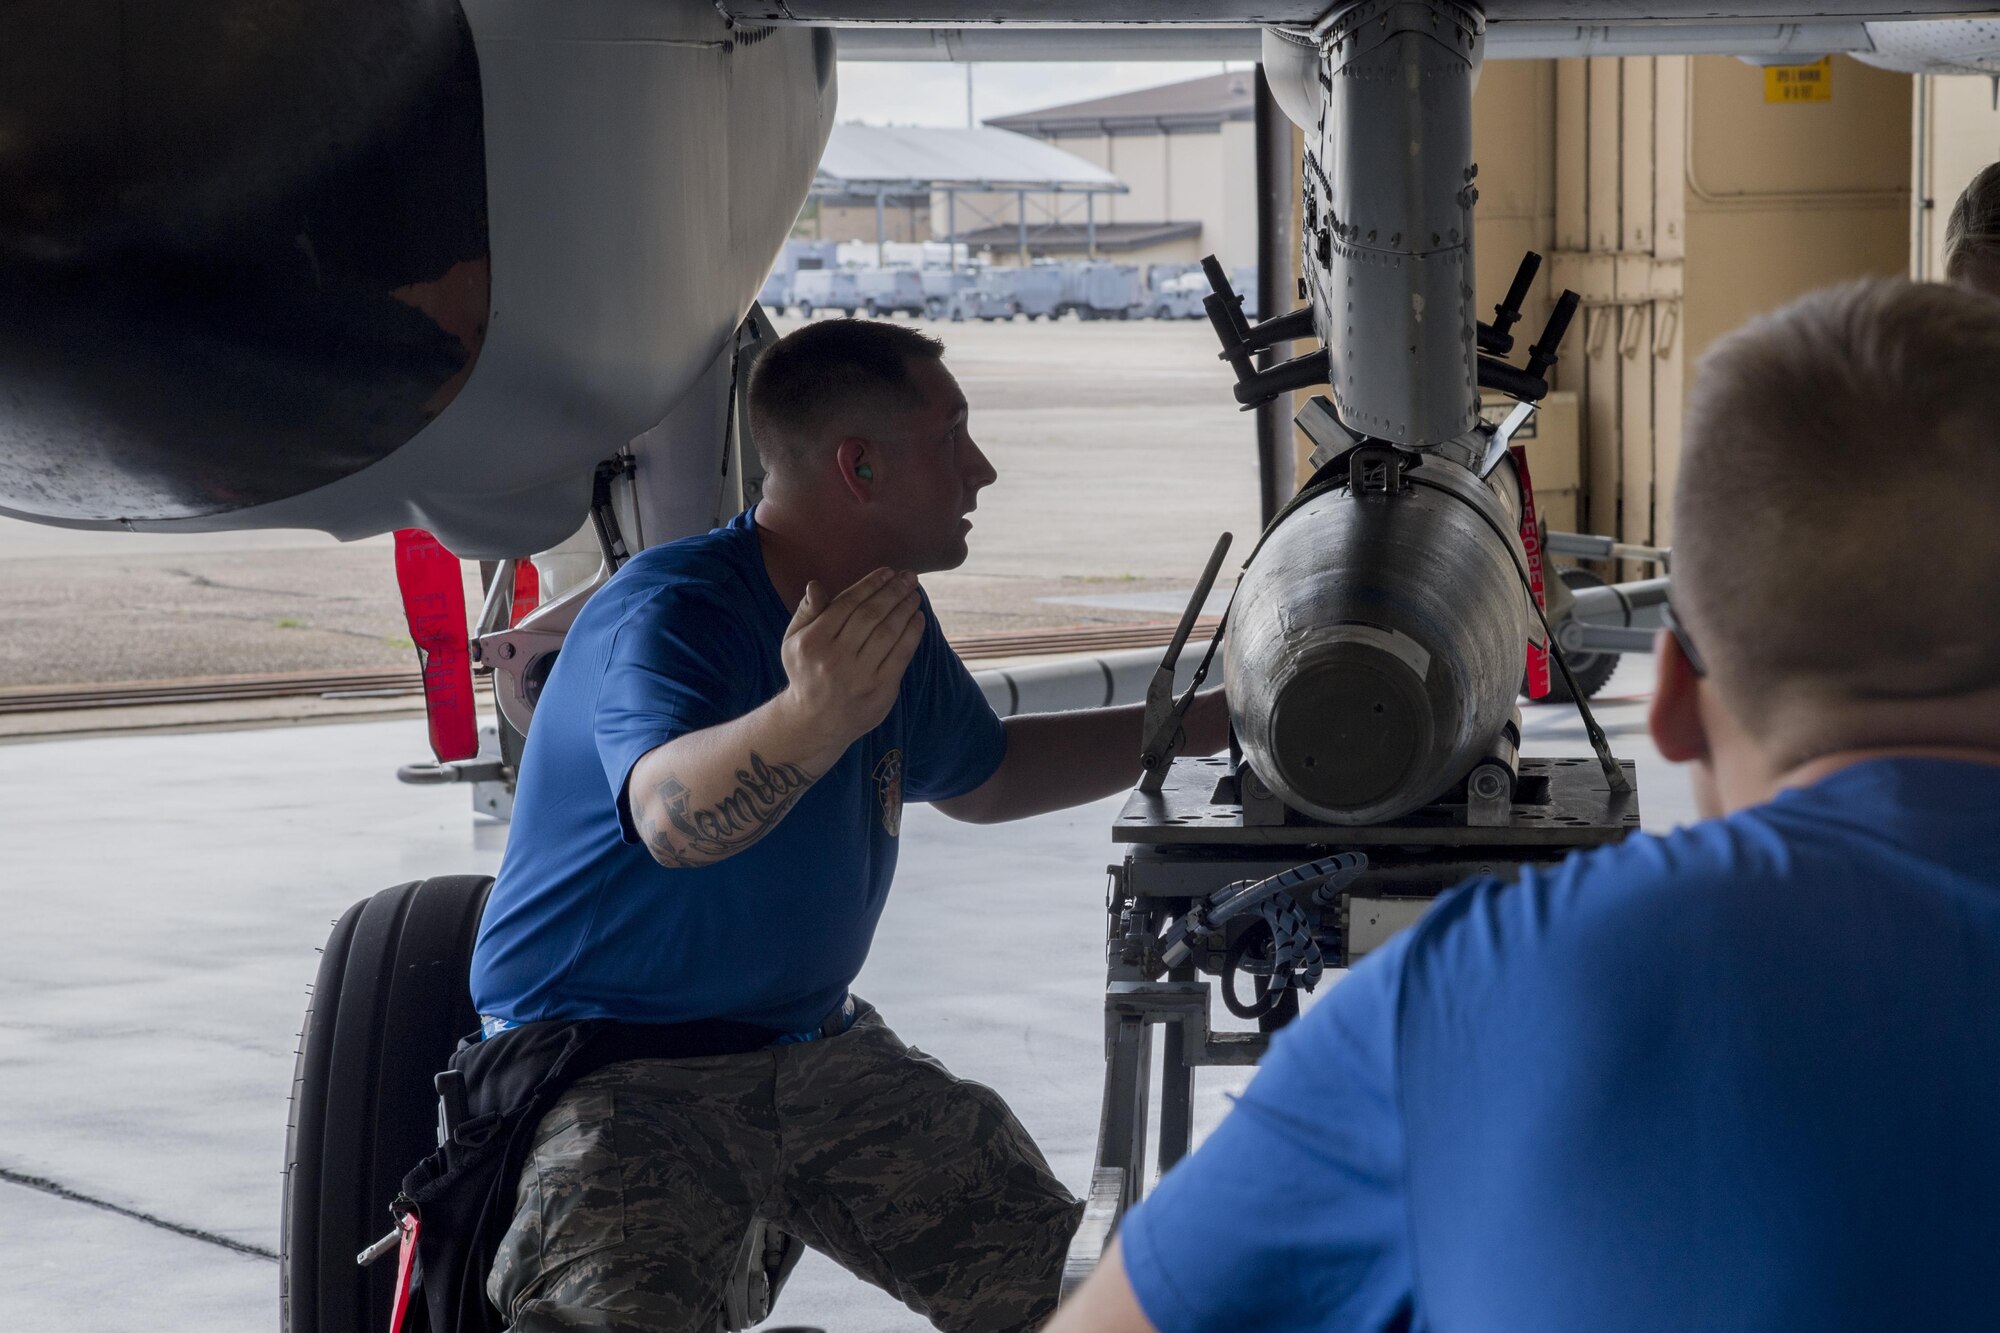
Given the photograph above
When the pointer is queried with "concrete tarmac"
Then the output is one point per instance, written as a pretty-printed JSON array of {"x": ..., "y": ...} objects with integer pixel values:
[
  {"x": 1120, "y": 451},
  {"x": 164, "y": 899}
]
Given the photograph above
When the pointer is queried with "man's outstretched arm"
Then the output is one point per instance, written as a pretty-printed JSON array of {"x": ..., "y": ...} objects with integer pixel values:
[
  {"x": 703, "y": 797},
  {"x": 1104, "y": 1304},
  {"x": 1057, "y": 760}
]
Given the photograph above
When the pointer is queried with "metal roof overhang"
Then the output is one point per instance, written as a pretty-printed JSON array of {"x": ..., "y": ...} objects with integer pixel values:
[
  {"x": 867, "y": 159},
  {"x": 912, "y": 186},
  {"x": 1105, "y": 237},
  {"x": 1232, "y": 13},
  {"x": 1917, "y": 46},
  {"x": 1507, "y": 41}
]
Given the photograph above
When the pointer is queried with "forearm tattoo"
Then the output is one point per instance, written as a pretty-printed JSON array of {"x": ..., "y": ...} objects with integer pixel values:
[{"x": 764, "y": 792}]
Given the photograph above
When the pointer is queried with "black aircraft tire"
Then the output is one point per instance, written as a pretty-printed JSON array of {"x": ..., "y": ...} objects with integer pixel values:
[
  {"x": 1592, "y": 671},
  {"x": 388, "y": 1007}
]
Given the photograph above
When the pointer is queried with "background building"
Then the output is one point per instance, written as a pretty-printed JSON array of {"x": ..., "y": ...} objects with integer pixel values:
[
  {"x": 1174, "y": 180},
  {"x": 909, "y": 183},
  {"x": 1185, "y": 153}
]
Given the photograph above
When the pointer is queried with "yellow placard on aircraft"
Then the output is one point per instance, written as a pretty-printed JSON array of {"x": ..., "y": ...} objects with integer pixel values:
[{"x": 1799, "y": 83}]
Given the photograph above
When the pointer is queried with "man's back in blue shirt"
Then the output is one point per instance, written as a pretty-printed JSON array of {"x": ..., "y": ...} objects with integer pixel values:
[{"x": 1746, "y": 1075}]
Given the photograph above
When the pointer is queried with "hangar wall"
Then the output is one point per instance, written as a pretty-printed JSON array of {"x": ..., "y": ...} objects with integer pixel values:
[
  {"x": 1686, "y": 203},
  {"x": 1679, "y": 201},
  {"x": 1784, "y": 198}
]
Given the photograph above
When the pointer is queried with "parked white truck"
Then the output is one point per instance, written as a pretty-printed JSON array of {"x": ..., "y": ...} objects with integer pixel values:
[
  {"x": 826, "y": 289},
  {"x": 889, "y": 291},
  {"x": 1092, "y": 289}
]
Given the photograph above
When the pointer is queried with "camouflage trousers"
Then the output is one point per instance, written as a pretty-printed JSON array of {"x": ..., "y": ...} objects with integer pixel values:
[{"x": 646, "y": 1175}]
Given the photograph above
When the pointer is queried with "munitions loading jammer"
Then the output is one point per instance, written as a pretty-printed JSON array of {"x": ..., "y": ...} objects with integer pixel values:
[{"x": 1375, "y": 642}]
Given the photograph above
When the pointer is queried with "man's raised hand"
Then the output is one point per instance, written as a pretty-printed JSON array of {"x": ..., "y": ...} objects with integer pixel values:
[
  {"x": 705, "y": 796},
  {"x": 845, "y": 656}
]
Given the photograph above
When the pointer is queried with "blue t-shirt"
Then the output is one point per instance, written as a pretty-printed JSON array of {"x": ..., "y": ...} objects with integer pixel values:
[
  {"x": 1743, "y": 1076},
  {"x": 584, "y": 923}
]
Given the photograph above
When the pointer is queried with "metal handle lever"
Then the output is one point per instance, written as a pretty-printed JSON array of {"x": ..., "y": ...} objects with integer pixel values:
[
  {"x": 1498, "y": 338},
  {"x": 385, "y": 1246},
  {"x": 1192, "y": 612},
  {"x": 1542, "y": 356},
  {"x": 1233, "y": 320},
  {"x": 1163, "y": 717}
]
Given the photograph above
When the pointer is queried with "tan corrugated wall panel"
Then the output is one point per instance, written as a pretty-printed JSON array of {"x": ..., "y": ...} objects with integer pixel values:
[
  {"x": 1604, "y": 182},
  {"x": 1572, "y": 155},
  {"x": 1786, "y": 198},
  {"x": 1513, "y": 141},
  {"x": 1635, "y": 330},
  {"x": 1669, "y": 243},
  {"x": 1685, "y": 203}
]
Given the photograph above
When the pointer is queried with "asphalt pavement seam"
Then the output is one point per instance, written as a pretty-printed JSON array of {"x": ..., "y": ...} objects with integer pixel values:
[{"x": 64, "y": 1192}]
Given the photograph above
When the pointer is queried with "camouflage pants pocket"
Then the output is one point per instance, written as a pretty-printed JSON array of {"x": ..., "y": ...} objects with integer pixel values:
[
  {"x": 635, "y": 1201},
  {"x": 570, "y": 1203}
]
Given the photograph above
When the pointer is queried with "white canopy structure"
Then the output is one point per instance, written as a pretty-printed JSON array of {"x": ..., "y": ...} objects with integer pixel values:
[
  {"x": 905, "y": 159},
  {"x": 887, "y": 162}
]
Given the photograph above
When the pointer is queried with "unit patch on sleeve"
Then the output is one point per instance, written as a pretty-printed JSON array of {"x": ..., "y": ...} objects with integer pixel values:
[{"x": 889, "y": 791}]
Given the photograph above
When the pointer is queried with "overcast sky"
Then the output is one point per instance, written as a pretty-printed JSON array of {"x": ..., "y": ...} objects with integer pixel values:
[{"x": 926, "y": 93}]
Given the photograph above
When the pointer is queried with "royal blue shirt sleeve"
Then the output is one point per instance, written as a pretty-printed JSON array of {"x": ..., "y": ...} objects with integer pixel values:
[
  {"x": 1292, "y": 1214},
  {"x": 675, "y": 665},
  {"x": 954, "y": 738}
]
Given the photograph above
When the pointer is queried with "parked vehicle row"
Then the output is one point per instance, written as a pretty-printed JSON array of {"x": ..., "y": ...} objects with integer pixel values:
[
  {"x": 1087, "y": 289},
  {"x": 871, "y": 292}
]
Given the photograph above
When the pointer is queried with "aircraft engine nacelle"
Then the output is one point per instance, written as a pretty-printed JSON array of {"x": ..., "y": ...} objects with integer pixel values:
[
  {"x": 1376, "y": 642},
  {"x": 363, "y": 266}
]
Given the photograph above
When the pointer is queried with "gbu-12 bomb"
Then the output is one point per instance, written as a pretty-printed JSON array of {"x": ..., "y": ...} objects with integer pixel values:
[{"x": 1376, "y": 642}]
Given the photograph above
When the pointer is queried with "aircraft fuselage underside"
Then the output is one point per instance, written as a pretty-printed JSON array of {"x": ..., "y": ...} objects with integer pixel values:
[{"x": 1306, "y": 12}]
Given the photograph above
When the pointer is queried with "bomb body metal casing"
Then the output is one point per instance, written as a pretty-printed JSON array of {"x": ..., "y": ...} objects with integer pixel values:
[{"x": 1375, "y": 645}]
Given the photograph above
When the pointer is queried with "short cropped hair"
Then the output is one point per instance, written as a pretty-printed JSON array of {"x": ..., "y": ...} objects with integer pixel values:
[
  {"x": 1837, "y": 526},
  {"x": 1972, "y": 236},
  {"x": 829, "y": 379}
]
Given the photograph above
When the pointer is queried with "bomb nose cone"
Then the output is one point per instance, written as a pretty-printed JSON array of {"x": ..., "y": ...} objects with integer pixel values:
[{"x": 1351, "y": 727}]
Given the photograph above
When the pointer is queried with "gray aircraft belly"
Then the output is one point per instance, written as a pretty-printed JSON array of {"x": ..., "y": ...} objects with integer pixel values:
[{"x": 642, "y": 162}]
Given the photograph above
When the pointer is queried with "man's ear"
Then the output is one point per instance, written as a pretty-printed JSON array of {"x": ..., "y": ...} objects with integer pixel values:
[
  {"x": 1675, "y": 717},
  {"x": 855, "y": 459}
]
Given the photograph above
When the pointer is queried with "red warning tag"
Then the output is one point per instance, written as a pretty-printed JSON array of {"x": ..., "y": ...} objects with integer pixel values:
[
  {"x": 434, "y": 603},
  {"x": 1531, "y": 542},
  {"x": 527, "y": 591},
  {"x": 406, "y": 1268}
]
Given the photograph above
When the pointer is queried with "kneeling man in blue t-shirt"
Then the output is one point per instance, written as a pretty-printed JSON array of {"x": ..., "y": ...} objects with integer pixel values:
[
  {"x": 1742, "y": 1076},
  {"x": 703, "y": 839}
]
